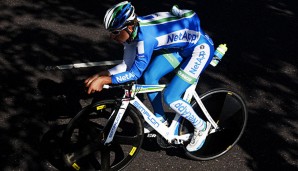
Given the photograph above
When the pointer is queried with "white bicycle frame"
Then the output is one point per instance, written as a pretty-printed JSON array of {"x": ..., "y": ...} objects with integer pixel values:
[{"x": 169, "y": 133}]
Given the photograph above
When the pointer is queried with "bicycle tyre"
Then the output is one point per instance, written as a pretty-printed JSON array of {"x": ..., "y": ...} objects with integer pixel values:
[
  {"x": 83, "y": 148},
  {"x": 229, "y": 111}
]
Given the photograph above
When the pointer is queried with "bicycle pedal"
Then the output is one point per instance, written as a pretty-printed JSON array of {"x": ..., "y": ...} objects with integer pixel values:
[{"x": 163, "y": 143}]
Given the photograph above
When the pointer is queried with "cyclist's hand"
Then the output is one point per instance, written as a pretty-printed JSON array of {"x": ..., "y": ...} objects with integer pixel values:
[
  {"x": 96, "y": 83},
  {"x": 92, "y": 78},
  {"x": 89, "y": 80}
]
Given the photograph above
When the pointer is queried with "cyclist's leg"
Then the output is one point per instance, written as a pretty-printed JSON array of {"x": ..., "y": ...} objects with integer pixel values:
[
  {"x": 172, "y": 97},
  {"x": 188, "y": 73},
  {"x": 165, "y": 62}
]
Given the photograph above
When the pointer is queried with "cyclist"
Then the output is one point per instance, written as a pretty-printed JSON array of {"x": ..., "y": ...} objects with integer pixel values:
[{"x": 180, "y": 41}]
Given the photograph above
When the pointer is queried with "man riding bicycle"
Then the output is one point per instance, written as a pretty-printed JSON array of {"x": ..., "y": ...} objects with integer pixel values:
[{"x": 180, "y": 41}]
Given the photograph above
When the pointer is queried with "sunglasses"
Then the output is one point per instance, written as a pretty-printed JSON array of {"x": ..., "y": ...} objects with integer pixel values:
[{"x": 117, "y": 32}]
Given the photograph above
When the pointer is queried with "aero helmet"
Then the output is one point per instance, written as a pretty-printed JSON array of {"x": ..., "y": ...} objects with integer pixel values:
[{"x": 120, "y": 14}]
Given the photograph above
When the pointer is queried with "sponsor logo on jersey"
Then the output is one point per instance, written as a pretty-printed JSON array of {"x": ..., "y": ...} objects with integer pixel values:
[
  {"x": 180, "y": 36},
  {"x": 185, "y": 112},
  {"x": 198, "y": 62},
  {"x": 124, "y": 77},
  {"x": 185, "y": 77}
]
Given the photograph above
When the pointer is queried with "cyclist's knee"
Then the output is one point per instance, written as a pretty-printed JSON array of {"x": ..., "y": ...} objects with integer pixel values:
[{"x": 148, "y": 79}]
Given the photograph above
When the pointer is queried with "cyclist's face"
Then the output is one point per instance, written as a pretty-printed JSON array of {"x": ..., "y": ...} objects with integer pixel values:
[{"x": 121, "y": 36}]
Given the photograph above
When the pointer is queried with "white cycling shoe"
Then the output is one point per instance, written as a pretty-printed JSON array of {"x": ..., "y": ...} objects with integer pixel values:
[{"x": 198, "y": 138}]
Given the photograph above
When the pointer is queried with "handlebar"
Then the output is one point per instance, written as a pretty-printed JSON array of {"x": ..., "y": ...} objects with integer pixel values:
[
  {"x": 127, "y": 85},
  {"x": 106, "y": 86}
]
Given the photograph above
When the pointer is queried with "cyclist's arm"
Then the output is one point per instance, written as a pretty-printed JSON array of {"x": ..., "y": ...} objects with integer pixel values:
[
  {"x": 128, "y": 59},
  {"x": 142, "y": 59}
]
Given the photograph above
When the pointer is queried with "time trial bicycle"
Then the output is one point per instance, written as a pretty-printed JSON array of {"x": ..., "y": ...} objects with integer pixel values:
[{"x": 108, "y": 134}]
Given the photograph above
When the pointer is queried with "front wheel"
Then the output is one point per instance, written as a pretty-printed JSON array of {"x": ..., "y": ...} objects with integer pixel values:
[
  {"x": 84, "y": 147},
  {"x": 228, "y": 110}
]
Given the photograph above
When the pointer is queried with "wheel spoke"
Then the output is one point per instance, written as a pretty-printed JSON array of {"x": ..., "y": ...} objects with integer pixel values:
[
  {"x": 126, "y": 140},
  {"x": 91, "y": 129},
  {"x": 105, "y": 159},
  {"x": 85, "y": 151},
  {"x": 94, "y": 162}
]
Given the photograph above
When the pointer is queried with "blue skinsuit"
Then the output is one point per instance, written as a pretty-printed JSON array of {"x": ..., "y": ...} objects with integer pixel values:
[{"x": 179, "y": 39}]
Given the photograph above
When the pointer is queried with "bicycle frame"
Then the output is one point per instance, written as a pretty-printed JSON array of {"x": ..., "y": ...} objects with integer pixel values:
[{"x": 169, "y": 133}]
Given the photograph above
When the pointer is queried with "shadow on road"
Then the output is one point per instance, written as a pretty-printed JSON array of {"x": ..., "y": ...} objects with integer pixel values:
[{"x": 261, "y": 64}]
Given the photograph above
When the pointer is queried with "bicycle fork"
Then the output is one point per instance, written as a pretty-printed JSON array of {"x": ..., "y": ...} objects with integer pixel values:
[{"x": 119, "y": 115}]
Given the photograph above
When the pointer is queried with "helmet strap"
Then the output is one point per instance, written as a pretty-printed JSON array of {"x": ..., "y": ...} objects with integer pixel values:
[{"x": 133, "y": 34}]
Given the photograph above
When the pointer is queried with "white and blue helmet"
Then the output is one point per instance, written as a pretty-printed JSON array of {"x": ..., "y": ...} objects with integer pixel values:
[{"x": 119, "y": 15}]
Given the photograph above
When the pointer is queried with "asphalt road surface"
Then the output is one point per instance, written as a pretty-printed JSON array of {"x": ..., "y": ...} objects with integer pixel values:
[{"x": 261, "y": 64}]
